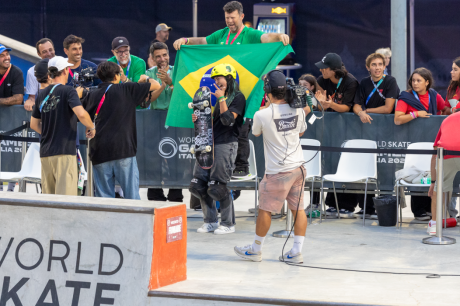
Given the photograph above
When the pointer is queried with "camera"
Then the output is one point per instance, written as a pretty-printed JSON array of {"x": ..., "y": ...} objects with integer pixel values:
[
  {"x": 297, "y": 96},
  {"x": 84, "y": 78}
]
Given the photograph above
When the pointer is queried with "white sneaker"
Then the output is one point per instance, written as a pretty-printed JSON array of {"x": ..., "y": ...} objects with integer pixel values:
[
  {"x": 294, "y": 258},
  {"x": 208, "y": 227},
  {"x": 431, "y": 229},
  {"x": 247, "y": 253},
  {"x": 222, "y": 230}
]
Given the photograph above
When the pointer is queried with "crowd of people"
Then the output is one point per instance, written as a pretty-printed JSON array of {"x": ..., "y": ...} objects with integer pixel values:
[{"x": 58, "y": 97}]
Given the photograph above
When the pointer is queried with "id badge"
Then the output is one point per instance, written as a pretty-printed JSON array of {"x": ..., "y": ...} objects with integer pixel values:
[{"x": 312, "y": 119}]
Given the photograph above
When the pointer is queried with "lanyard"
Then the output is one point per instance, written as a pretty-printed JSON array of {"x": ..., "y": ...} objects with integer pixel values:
[
  {"x": 429, "y": 99},
  {"x": 47, "y": 97},
  {"x": 237, "y": 34},
  {"x": 127, "y": 68},
  {"x": 338, "y": 85},
  {"x": 4, "y": 76},
  {"x": 71, "y": 73},
  {"x": 100, "y": 103},
  {"x": 375, "y": 88}
]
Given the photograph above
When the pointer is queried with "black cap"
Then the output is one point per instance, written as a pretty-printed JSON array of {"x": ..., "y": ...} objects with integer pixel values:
[
  {"x": 118, "y": 42},
  {"x": 41, "y": 68},
  {"x": 331, "y": 60},
  {"x": 276, "y": 79}
]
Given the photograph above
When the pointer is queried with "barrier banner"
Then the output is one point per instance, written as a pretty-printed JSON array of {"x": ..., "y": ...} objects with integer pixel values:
[{"x": 164, "y": 159}]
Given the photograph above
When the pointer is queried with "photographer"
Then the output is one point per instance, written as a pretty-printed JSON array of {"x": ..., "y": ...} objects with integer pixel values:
[
  {"x": 282, "y": 126},
  {"x": 54, "y": 116},
  {"x": 113, "y": 151},
  {"x": 211, "y": 185}
]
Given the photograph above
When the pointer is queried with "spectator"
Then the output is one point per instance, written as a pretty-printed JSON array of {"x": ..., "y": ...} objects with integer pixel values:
[
  {"x": 227, "y": 118},
  {"x": 453, "y": 91},
  {"x": 284, "y": 172},
  {"x": 74, "y": 50},
  {"x": 336, "y": 92},
  {"x": 55, "y": 118},
  {"x": 339, "y": 85},
  {"x": 42, "y": 75},
  {"x": 377, "y": 94},
  {"x": 415, "y": 103},
  {"x": 162, "y": 73},
  {"x": 45, "y": 49},
  {"x": 309, "y": 81},
  {"x": 447, "y": 138},
  {"x": 113, "y": 151},
  {"x": 132, "y": 66},
  {"x": 386, "y": 52},
  {"x": 162, "y": 35},
  {"x": 11, "y": 86}
]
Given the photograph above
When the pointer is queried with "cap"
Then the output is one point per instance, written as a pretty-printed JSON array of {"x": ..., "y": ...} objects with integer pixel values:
[
  {"x": 276, "y": 79},
  {"x": 41, "y": 68},
  {"x": 162, "y": 27},
  {"x": 331, "y": 60},
  {"x": 3, "y": 48},
  {"x": 118, "y": 42},
  {"x": 59, "y": 62}
]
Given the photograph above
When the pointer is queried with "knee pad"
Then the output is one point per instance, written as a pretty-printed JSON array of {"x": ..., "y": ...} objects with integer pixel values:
[
  {"x": 198, "y": 188},
  {"x": 217, "y": 191}
]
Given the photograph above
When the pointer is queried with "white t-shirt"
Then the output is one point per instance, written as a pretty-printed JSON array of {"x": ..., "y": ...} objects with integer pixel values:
[
  {"x": 32, "y": 84},
  {"x": 280, "y": 126}
]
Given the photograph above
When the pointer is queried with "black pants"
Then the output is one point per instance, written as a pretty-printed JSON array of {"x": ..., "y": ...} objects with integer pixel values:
[
  {"x": 369, "y": 203},
  {"x": 156, "y": 194},
  {"x": 242, "y": 156},
  {"x": 347, "y": 201},
  {"x": 420, "y": 205}
]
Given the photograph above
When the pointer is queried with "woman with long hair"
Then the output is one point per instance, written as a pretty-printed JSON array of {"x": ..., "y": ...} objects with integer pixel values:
[
  {"x": 309, "y": 81},
  {"x": 453, "y": 91}
]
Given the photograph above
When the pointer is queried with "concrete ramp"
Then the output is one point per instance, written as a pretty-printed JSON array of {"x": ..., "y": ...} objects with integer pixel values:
[{"x": 64, "y": 250}]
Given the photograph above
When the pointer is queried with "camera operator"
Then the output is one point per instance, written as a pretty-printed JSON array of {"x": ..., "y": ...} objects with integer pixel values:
[
  {"x": 113, "y": 151},
  {"x": 55, "y": 118},
  {"x": 74, "y": 50},
  {"x": 282, "y": 126}
]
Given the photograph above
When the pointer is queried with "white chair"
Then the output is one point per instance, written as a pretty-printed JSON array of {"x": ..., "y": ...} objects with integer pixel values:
[
  {"x": 355, "y": 168},
  {"x": 421, "y": 162},
  {"x": 30, "y": 170},
  {"x": 252, "y": 174},
  {"x": 313, "y": 167}
]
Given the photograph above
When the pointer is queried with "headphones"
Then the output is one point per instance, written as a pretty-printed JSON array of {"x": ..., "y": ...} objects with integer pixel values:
[{"x": 267, "y": 85}]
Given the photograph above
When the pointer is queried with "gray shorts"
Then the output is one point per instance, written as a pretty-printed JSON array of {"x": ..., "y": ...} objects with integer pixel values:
[{"x": 450, "y": 167}]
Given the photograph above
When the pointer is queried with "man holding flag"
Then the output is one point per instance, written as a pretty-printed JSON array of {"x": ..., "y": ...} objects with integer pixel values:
[{"x": 236, "y": 33}]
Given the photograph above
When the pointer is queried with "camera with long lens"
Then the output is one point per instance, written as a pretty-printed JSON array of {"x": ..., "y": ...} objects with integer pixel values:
[{"x": 297, "y": 96}]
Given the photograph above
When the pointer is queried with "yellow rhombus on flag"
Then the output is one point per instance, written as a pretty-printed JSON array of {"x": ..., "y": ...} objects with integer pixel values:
[{"x": 192, "y": 63}]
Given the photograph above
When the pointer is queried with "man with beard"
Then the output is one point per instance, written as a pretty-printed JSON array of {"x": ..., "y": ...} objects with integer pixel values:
[
  {"x": 132, "y": 67},
  {"x": 45, "y": 49},
  {"x": 11, "y": 86},
  {"x": 74, "y": 50},
  {"x": 160, "y": 99}
]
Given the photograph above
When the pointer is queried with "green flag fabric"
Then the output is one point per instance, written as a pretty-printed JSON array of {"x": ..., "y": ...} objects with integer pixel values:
[{"x": 194, "y": 63}]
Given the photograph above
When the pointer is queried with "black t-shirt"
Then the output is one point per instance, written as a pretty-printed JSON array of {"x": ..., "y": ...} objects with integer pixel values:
[
  {"x": 225, "y": 133},
  {"x": 345, "y": 94},
  {"x": 388, "y": 88},
  {"x": 59, "y": 122},
  {"x": 13, "y": 83},
  {"x": 116, "y": 136}
]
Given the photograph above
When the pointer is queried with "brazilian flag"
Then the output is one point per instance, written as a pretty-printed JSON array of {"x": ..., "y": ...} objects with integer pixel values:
[{"x": 192, "y": 69}]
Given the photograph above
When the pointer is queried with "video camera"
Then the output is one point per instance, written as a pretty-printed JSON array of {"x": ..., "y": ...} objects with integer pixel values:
[
  {"x": 86, "y": 76},
  {"x": 297, "y": 96}
]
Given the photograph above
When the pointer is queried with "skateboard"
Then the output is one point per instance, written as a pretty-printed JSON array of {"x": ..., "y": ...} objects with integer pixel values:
[{"x": 203, "y": 148}]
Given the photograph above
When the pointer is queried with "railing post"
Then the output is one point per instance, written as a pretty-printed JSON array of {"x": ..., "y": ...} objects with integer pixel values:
[
  {"x": 439, "y": 239},
  {"x": 89, "y": 172},
  {"x": 22, "y": 183},
  {"x": 286, "y": 232}
]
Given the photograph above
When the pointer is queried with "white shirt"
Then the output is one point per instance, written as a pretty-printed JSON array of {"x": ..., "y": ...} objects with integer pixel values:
[
  {"x": 280, "y": 126},
  {"x": 32, "y": 84}
]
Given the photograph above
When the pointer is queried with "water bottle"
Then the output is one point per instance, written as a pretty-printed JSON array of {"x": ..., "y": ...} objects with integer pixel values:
[{"x": 425, "y": 180}]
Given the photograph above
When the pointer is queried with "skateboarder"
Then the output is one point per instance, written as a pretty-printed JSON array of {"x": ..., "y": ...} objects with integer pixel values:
[{"x": 211, "y": 185}]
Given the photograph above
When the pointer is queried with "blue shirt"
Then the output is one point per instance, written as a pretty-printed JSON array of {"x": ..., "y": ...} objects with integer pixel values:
[{"x": 83, "y": 65}]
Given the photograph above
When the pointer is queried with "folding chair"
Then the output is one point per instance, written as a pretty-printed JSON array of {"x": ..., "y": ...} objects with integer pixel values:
[{"x": 355, "y": 168}]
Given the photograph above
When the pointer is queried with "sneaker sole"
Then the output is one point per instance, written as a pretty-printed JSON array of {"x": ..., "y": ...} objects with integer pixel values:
[
  {"x": 423, "y": 218},
  {"x": 223, "y": 233},
  {"x": 291, "y": 261},
  {"x": 254, "y": 258},
  {"x": 204, "y": 232}
]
